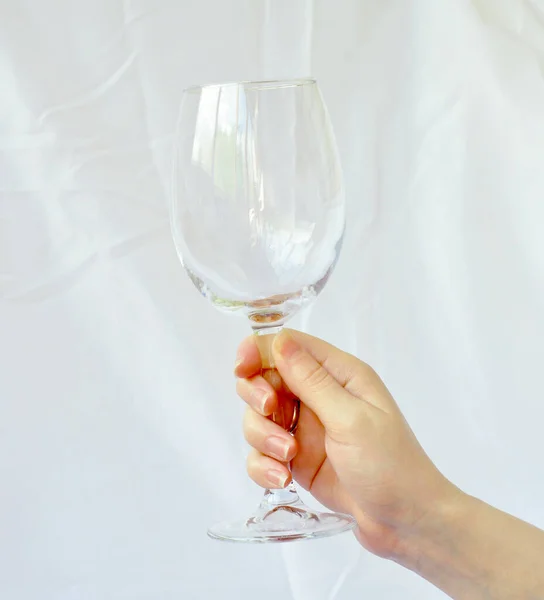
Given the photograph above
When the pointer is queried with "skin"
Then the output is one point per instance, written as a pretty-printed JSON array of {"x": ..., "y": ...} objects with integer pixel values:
[{"x": 354, "y": 451}]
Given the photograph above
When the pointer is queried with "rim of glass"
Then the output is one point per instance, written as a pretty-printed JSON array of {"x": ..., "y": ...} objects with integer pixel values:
[{"x": 260, "y": 84}]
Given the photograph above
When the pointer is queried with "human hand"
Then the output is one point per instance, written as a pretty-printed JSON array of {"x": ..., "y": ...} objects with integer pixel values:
[{"x": 353, "y": 449}]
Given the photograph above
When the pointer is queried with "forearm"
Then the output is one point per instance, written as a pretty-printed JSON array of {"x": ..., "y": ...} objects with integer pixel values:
[{"x": 472, "y": 551}]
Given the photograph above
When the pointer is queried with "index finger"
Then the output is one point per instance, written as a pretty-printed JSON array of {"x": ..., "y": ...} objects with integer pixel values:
[{"x": 248, "y": 359}]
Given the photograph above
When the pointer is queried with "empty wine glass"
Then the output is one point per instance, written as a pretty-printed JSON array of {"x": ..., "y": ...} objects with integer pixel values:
[{"x": 258, "y": 220}]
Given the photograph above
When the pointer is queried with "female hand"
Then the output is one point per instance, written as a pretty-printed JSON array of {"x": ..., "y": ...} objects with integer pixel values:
[{"x": 353, "y": 449}]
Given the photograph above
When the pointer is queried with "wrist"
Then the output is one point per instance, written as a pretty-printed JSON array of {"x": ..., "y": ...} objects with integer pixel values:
[{"x": 428, "y": 539}]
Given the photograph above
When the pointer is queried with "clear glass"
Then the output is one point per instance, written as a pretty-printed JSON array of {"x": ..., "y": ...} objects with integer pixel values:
[{"x": 258, "y": 219}]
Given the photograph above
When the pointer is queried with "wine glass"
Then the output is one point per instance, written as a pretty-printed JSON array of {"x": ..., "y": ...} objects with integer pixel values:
[{"x": 258, "y": 219}]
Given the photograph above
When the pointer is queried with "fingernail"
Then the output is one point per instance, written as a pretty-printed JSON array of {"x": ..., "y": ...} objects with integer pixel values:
[
  {"x": 286, "y": 345},
  {"x": 278, "y": 447},
  {"x": 277, "y": 478},
  {"x": 260, "y": 398}
]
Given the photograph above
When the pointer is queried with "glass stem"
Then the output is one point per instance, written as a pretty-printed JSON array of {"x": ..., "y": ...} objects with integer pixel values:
[
  {"x": 284, "y": 497},
  {"x": 288, "y": 495}
]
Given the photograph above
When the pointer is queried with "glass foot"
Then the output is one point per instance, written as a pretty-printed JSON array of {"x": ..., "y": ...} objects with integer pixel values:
[{"x": 282, "y": 522}]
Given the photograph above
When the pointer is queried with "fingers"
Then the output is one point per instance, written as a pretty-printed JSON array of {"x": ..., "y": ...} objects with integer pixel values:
[
  {"x": 343, "y": 367},
  {"x": 328, "y": 380},
  {"x": 258, "y": 393},
  {"x": 267, "y": 472},
  {"x": 268, "y": 437},
  {"x": 254, "y": 356},
  {"x": 272, "y": 448},
  {"x": 316, "y": 372},
  {"x": 248, "y": 359}
]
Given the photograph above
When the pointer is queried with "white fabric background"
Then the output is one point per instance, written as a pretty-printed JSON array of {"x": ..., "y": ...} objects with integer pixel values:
[{"x": 119, "y": 428}]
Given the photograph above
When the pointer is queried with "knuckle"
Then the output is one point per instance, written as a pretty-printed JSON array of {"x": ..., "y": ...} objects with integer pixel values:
[
  {"x": 368, "y": 371},
  {"x": 316, "y": 378},
  {"x": 361, "y": 379}
]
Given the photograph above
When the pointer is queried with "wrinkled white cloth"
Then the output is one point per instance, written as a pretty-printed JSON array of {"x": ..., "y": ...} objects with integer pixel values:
[{"x": 119, "y": 427}]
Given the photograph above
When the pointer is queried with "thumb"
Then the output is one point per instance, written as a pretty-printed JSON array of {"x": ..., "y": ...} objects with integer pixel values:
[{"x": 317, "y": 373}]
